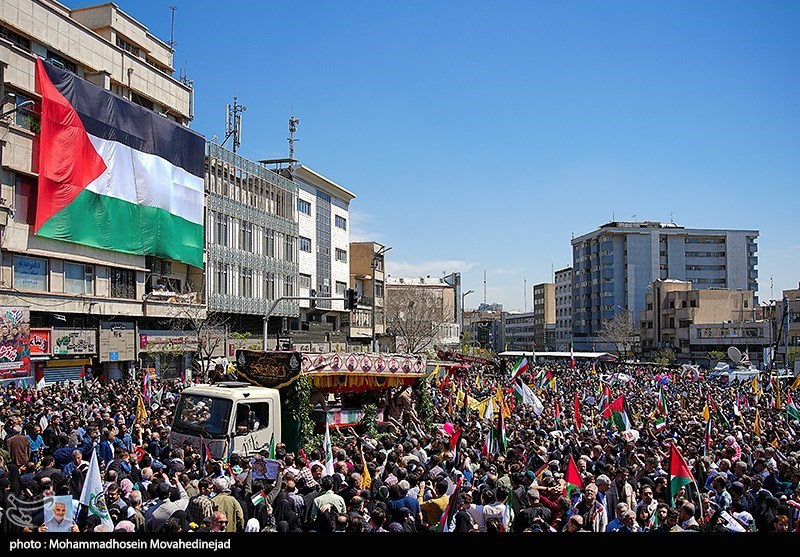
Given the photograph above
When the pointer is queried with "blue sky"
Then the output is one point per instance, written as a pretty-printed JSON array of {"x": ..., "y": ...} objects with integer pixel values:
[{"x": 481, "y": 136}]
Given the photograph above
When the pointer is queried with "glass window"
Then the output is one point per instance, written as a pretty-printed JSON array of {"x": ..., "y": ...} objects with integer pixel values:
[
  {"x": 305, "y": 244},
  {"x": 340, "y": 288},
  {"x": 341, "y": 222},
  {"x": 30, "y": 273},
  {"x": 123, "y": 284},
  {"x": 270, "y": 242},
  {"x": 341, "y": 255},
  {"x": 305, "y": 281},
  {"x": 304, "y": 206},
  {"x": 25, "y": 200},
  {"x": 203, "y": 414},
  {"x": 78, "y": 279},
  {"x": 221, "y": 278},
  {"x": 251, "y": 416}
]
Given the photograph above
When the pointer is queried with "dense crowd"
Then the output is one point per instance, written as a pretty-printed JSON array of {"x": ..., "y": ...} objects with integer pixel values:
[{"x": 499, "y": 466}]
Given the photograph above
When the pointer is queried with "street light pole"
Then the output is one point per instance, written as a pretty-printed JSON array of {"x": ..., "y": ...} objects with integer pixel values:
[
  {"x": 375, "y": 257},
  {"x": 464, "y": 311}
]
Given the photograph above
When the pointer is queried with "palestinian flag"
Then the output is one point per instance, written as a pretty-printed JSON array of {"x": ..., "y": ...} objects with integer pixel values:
[
  {"x": 791, "y": 409},
  {"x": 259, "y": 497},
  {"x": 501, "y": 437},
  {"x": 272, "y": 445},
  {"x": 572, "y": 478},
  {"x": 716, "y": 412},
  {"x": 114, "y": 175},
  {"x": 454, "y": 439},
  {"x": 615, "y": 413},
  {"x": 519, "y": 369},
  {"x": 450, "y": 509},
  {"x": 679, "y": 473}
]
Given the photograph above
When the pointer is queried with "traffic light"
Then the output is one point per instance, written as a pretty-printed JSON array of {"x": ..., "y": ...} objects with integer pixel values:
[
  {"x": 313, "y": 299},
  {"x": 350, "y": 299}
]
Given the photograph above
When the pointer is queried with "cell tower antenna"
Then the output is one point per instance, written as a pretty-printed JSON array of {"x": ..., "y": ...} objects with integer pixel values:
[
  {"x": 172, "y": 44},
  {"x": 233, "y": 123},
  {"x": 292, "y": 129},
  {"x": 484, "y": 286},
  {"x": 525, "y": 291}
]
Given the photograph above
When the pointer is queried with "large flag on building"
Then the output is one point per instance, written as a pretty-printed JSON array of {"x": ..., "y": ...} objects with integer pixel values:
[
  {"x": 679, "y": 472},
  {"x": 93, "y": 498},
  {"x": 114, "y": 175},
  {"x": 616, "y": 413}
]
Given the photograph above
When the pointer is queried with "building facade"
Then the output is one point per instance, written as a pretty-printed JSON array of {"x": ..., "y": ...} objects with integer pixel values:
[
  {"x": 100, "y": 298},
  {"x": 544, "y": 315},
  {"x": 563, "y": 278},
  {"x": 368, "y": 279},
  {"x": 519, "y": 330},
  {"x": 251, "y": 243},
  {"x": 693, "y": 323},
  {"x": 420, "y": 313},
  {"x": 614, "y": 265},
  {"x": 788, "y": 327}
]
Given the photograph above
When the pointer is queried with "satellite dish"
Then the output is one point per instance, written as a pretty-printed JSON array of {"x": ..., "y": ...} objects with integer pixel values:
[{"x": 734, "y": 354}]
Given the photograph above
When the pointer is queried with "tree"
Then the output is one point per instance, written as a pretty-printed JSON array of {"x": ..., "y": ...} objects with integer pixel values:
[
  {"x": 416, "y": 317},
  {"x": 211, "y": 329},
  {"x": 665, "y": 356},
  {"x": 715, "y": 355},
  {"x": 620, "y": 332}
]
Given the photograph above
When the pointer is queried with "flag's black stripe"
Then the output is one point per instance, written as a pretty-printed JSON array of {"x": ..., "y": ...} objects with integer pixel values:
[{"x": 111, "y": 117}]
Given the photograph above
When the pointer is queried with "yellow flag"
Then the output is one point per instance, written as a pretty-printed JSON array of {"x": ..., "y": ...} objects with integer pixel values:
[
  {"x": 757, "y": 424},
  {"x": 460, "y": 398},
  {"x": 366, "y": 478},
  {"x": 140, "y": 416},
  {"x": 775, "y": 443},
  {"x": 706, "y": 415},
  {"x": 755, "y": 384},
  {"x": 796, "y": 383},
  {"x": 553, "y": 383},
  {"x": 501, "y": 402},
  {"x": 777, "y": 387},
  {"x": 480, "y": 407}
]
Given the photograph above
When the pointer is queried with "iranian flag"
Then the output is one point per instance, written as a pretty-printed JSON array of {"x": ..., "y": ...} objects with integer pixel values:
[
  {"x": 525, "y": 395},
  {"x": 572, "y": 478},
  {"x": 519, "y": 369},
  {"x": 615, "y": 412},
  {"x": 571, "y": 355},
  {"x": 679, "y": 473},
  {"x": 662, "y": 403},
  {"x": 791, "y": 408},
  {"x": 114, "y": 175},
  {"x": 660, "y": 423}
]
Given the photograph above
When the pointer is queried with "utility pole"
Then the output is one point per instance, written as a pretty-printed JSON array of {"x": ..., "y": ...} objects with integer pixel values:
[{"x": 378, "y": 255}]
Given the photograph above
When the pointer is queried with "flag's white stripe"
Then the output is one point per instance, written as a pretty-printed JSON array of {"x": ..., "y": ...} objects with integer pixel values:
[{"x": 147, "y": 180}]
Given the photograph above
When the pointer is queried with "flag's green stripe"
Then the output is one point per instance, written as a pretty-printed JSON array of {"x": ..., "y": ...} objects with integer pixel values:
[
  {"x": 793, "y": 412},
  {"x": 675, "y": 484},
  {"x": 108, "y": 223}
]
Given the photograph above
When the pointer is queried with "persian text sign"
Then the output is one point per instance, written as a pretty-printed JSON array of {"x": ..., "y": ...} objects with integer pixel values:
[
  {"x": 269, "y": 368},
  {"x": 41, "y": 342},
  {"x": 74, "y": 342}
]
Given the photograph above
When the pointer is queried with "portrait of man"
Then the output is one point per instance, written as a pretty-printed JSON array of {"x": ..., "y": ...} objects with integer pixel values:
[{"x": 58, "y": 516}]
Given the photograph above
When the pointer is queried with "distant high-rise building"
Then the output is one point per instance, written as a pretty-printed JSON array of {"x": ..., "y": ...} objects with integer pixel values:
[
  {"x": 544, "y": 316},
  {"x": 614, "y": 265},
  {"x": 563, "y": 308}
]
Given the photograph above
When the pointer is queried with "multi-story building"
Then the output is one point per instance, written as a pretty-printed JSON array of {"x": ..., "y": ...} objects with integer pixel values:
[
  {"x": 563, "y": 279},
  {"x": 614, "y": 265},
  {"x": 788, "y": 329},
  {"x": 519, "y": 331},
  {"x": 420, "y": 313},
  {"x": 544, "y": 316},
  {"x": 695, "y": 322},
  {"x": 368, "y": 278},
  {"x": 251, "y": 244},
  {"x": 111, "y": 303},
  {"x": 486, "y": 328}
]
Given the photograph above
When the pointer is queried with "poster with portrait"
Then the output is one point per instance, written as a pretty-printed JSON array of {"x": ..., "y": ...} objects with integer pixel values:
[
  {"x": 258, "y": 468},
  {"x": 15, "y": 349},
  {"x": 58, "y": 514}
]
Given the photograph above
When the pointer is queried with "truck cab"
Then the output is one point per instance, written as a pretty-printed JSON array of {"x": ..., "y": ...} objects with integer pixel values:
[{"x": 228, "y": 416}]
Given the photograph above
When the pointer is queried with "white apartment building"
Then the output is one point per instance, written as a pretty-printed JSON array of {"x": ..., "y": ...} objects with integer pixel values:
[{"x": 563, "y": 278}]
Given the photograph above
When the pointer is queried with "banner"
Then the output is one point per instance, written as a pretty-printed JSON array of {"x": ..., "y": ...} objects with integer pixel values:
[
  {"x": 456, "y": 357},
  {"x": 274, "y": 369},
  {"x": 41, "y": 342},
  {"x": 15, "y": 349}
]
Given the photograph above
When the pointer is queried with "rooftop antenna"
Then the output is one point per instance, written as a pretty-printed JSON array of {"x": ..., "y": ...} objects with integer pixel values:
[
  {"x": 670, "y": 218},
  {"x": 634, "y": 218},
  {"x": 292, "y": 128},
  {"x": 525, "y": 291},
  {"x": 233, "y": 123},
  {"x": 172, "y": 44},
  {"x": 484, "y": 286},
  {"x": 771, "y": 293}
]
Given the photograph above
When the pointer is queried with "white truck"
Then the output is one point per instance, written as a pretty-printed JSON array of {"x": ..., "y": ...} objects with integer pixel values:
[{"x": 228, "y": 416}]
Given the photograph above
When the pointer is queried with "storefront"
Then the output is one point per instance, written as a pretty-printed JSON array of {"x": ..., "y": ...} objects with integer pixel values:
[
  {"x": 167, "y": 354},
  {"x": 117, "y": 349},
  {"x": 72, "y": 354}
]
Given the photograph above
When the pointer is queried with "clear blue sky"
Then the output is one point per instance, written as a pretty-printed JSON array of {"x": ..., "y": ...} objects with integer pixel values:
[{"x": 483, "y": 135}]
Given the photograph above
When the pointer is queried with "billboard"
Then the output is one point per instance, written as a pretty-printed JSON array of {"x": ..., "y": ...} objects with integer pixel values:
[{"x": 15, "y": 348}]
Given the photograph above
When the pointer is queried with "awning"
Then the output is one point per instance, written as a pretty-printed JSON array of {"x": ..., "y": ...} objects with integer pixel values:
[{"x": 69, "y": 363}]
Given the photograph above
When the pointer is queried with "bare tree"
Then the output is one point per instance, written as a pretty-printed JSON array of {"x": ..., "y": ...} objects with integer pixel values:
[
  {"x": 416, "y": 317},
  {"x": 211, "y": 329},
  {"x": 620, "y": 332}
]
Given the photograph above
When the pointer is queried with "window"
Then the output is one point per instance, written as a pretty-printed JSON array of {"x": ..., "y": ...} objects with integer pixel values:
[
  {"x": 289, "y": 249},
  {"x": 340, "y": 288},
  {"x": 60, "y": 62},
  {"x": 246, "y": 282},
  {"x": 304, "y": 244},
  {"x": 15, "y": 38},
  {"x": 305, "y": 281},
  {"x": 221, "y": 278},
  {"x": 341, "y": 222},
  {"x": 78, "y": 279},
  {"x": 25, "y": 200},
  {"x": 30, "y": 273},
  {"x": 221, "y": 230},
  {"x": 269, "y": 286},
  {"x": 246, "y": 236},
  {"x": 269, "y": 241},
  {"x": 123, "y": 284},
  {"x": 304, "y": 206},
  {"x": 341, "y": 255},
  {"x": 379, "y": 289},
  {"x": 127, "y": 47},
  {"x": 251, "y": 416},
  {"x": 288, "y": 285}
]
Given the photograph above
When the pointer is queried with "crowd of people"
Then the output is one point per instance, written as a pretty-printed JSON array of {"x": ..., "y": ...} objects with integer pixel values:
[{"x": 499, "y": 466}]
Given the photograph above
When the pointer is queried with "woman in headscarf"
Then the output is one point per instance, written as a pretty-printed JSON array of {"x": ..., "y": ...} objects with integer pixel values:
[
  {"x": 252, "y": 525},
  {"x": 733, "y": 445},
  {"x": 125, "y": 526},
  {"x": 764, "y": 512},
  {"x": 284, "y": 512}
]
